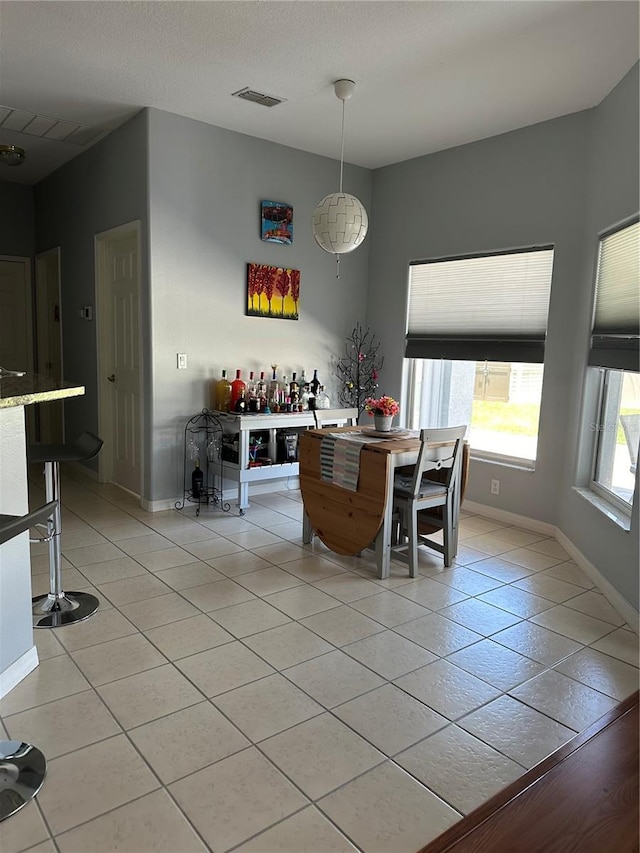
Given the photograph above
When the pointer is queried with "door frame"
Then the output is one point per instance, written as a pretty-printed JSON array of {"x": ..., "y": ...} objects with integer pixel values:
[
  {"x": 38, "y": 283},
  {"x": 103, "y": 314}
]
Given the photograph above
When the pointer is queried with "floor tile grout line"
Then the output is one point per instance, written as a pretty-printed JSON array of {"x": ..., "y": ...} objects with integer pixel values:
[
  {"x": 387, "y": 628},
  {"x": 282, "y": 820}
]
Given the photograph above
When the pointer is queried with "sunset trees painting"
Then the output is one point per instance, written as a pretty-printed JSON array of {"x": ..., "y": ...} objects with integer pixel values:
[{"x": 273, "y": 292}]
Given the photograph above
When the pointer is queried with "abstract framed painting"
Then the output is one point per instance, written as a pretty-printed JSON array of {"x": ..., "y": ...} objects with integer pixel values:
[
  {"x": 276, "y": 222},
  {"x": 273, "y": 292}
]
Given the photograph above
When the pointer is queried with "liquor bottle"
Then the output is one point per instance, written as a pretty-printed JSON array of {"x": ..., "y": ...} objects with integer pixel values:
[
  {"x": 236, "y": 386},
  {"x": 252, "y": 395},
  {"x": 197, "y": 479},
  {"x": 262, "y": 393},
  {"x": 314, "y": 385},
  {"x": 294, "y": 391},
  {"x": 283, "y": 390},
  {"x": 273, "y": 389},
  {"x": 242, "y": 404},
  {"x": 251, "y": 385},
  {"x": 303, "y": 379},
  {"x": 322, "y": 400},
  {"x": 223, "y": 393},
  {"x": 304, "y": 397}
]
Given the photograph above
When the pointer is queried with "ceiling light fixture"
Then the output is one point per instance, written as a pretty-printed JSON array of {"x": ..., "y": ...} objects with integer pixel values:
[
  {"x": 12, "y": 155},
  {"x": 340, "y": 221}
]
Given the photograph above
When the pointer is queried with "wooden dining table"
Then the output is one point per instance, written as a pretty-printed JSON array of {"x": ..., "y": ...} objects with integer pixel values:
[{"x": 350, "y": 521}]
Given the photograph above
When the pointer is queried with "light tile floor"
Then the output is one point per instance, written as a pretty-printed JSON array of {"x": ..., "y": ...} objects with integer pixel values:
[{"x": 240, "y": 691}]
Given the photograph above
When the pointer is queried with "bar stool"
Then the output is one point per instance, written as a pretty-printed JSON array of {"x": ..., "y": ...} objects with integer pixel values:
[
  {"x": 22, "y": 765},
  {"x": 57, "y": 608}
]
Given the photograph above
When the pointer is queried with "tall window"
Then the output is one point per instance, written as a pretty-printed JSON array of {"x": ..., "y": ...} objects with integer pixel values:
[
  {"x": 475, "y": 342},
  {"x": 615, "y": 351}
]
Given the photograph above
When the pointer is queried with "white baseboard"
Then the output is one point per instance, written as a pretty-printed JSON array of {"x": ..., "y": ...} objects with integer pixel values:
[
  {"x": 617, "y": 601},
  {"x": 159, "y": 506},
  {"x": 509, "y": 517},
  {"x": 229, "y": 495},
  {"x": 18, "y": 670}
]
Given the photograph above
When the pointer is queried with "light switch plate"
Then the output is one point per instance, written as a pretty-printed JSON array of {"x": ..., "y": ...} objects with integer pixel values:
[{"x": 182, "y": 361}]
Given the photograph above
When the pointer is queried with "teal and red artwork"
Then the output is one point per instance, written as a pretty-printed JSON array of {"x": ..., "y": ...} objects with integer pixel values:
[{"x": 277, "y": 222}]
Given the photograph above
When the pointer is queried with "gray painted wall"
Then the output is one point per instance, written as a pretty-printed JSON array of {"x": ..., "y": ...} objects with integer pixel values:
[
  {"x": 104, "y": 187},
  {"x": 17, "y": 217},
  {"x": 613, "y": 182},
  {"x": 206, "y": 185},
  {"x": 542, "y": 184}
]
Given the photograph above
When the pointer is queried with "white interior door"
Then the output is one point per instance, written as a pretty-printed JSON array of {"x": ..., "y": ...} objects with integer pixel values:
[
  {"x": 16, "y": 323},
  {"x": 49, "y": 340},
  {"x": 118, "y": 283},
  {"x": 16, "y": 333}
]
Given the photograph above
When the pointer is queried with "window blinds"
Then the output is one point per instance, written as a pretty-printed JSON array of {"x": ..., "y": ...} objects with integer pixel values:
[
  {"x": 616, "y": 322},
  {"x": 482, "y": 308}
]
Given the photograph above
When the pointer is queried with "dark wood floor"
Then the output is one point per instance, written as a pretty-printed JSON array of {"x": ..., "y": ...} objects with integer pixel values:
[{"x": 581, "y": 799}]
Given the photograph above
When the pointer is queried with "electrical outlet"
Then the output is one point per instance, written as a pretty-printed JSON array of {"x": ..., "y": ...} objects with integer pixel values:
[
  {"x": 182, "y": 361},
  {"x": 495, "y": 487}
]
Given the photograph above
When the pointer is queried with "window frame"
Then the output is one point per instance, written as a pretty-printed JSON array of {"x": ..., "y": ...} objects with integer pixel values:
[
  {"x": 610, "y": 497},
  {"x": 409, "y": 392}
]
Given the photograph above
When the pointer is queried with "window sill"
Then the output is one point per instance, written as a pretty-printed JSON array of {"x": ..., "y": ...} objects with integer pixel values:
[
  {"x": 506, "y": 461},
  {"x": 608, "y": 509}
]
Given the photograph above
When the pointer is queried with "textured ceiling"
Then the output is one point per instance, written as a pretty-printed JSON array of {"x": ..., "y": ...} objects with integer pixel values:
[{"x": 430, "y": 75}]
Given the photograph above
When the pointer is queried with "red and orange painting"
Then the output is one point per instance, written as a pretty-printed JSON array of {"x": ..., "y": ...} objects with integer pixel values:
[{"x": 273, "y": 292}]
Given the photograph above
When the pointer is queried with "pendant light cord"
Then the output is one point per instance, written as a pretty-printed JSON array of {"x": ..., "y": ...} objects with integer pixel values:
[
  {"x": 341, "y": 170},
  {"x": 342, "y": 146}
]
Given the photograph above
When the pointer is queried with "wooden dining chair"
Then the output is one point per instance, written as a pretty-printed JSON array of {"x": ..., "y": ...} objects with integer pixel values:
[
  {"x": 335, "y": 417},
  {"x": 416, "y": 494}
]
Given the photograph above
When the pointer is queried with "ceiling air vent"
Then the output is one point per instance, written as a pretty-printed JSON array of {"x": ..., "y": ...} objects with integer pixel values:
[
  {"x": 248, "y": 94},
  {"x": 49, "y": 128}
]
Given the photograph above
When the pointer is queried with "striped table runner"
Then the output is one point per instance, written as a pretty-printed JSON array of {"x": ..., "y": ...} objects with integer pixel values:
[{"x": 340, "y": 458}]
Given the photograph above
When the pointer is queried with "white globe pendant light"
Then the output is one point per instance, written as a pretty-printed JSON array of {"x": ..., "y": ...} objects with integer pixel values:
[{"x": 340, "y": 221}]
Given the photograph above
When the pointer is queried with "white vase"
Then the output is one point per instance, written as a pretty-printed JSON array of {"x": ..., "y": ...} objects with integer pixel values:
[{"x": 383, "y": 423}]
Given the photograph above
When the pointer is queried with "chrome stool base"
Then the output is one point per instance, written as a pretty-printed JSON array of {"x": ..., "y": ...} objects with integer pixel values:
[
  {"x": 22, "y": 771},
  {"x": 53, "y": 611}
]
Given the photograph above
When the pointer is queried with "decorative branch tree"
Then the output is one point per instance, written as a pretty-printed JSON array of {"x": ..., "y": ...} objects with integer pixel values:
[{"x": 358, "y": 369}]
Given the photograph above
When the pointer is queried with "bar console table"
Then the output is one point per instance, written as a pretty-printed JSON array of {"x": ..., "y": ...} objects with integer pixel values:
[{"x": 260, "y": 447}]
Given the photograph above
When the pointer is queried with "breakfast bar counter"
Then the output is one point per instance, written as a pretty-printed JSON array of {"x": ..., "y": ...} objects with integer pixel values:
[{"x": 18, "y": 655}]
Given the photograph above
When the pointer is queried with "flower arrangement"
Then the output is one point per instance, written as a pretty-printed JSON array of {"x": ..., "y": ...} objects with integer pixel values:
[{"x": 383, "y": 406}]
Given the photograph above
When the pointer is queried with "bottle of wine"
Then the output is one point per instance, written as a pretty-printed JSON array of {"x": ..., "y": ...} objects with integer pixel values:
[
  {"x": 223, "y": 393},
  {"x": 197, "y": 479},
  {"x": 236, "y": 386},
  {"x": 322, "y": 400},
  {"x": 314, "y": 385}
]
